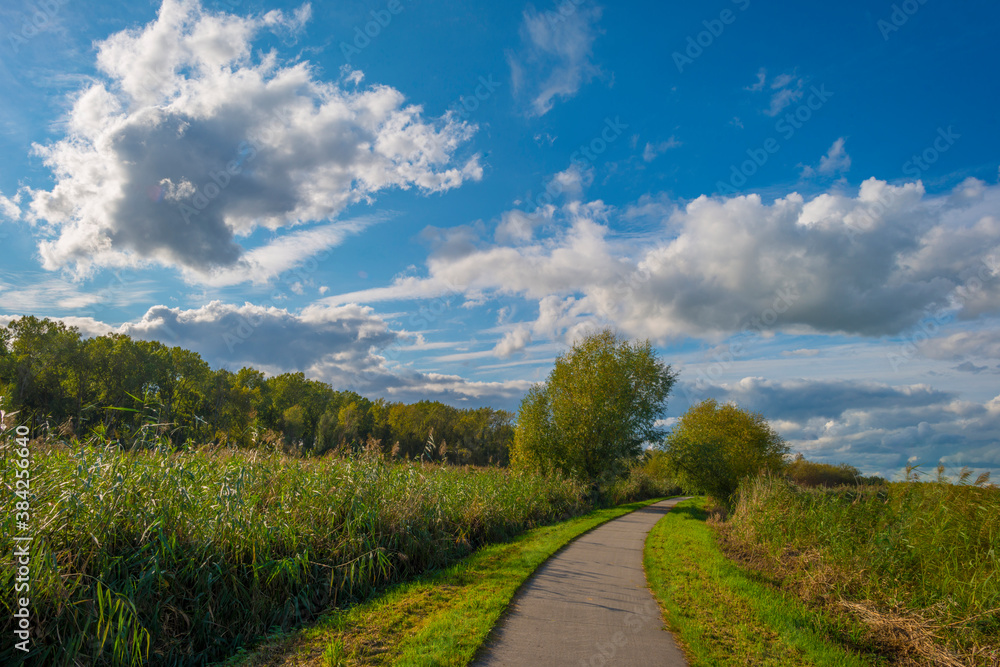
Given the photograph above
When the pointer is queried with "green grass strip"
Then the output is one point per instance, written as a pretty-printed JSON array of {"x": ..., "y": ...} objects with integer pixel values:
[
  {"x": 721, "y": 614},
  {"x": 441, "y": 618}
]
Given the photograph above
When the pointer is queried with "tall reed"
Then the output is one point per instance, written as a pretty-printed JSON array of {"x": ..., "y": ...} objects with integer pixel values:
[
  {"x": 177, "y": 559},
  {"x": 930, "y": 548}
]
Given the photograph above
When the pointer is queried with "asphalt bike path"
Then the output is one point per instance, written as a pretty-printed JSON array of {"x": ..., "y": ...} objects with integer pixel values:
[{"x": 589, "y": 605}]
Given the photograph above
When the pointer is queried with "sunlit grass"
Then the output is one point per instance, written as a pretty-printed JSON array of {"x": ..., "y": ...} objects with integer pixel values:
[{"x": 722, "y": 614}]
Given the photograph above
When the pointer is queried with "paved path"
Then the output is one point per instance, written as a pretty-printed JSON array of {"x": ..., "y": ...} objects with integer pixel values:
[{"x": 589, "y": 605}]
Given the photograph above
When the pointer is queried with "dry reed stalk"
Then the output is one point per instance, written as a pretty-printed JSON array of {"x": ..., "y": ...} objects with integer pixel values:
[{"x": 910, "y": 634}]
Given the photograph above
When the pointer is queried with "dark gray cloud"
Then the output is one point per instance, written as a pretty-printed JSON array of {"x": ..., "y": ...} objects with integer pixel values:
[
  {"x": 349, "y": 347},
  {"x": 267, "y": 337},
  {"x": 800, "y": 400},
  {"x": 969, "y": 367}
]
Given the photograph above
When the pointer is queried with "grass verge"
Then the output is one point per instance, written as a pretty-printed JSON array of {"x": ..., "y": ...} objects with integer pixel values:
[
  {"x": 726, "y": 616},
  {"x": 441, "y": 618}
]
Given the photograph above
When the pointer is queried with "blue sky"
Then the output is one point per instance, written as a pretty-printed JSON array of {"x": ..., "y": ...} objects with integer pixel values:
[{"x": 799, "y": 205}]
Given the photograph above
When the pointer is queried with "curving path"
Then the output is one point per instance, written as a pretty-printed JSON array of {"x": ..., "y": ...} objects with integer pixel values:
[{"x": 589, "y": 605}]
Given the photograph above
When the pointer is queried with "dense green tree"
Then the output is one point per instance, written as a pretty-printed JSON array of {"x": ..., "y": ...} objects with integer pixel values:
[
  {"x": 40, "y": 355},
  {"x": 598, "y": 406},
  {"x": 713, "y": 447},
  {"x": 190, "y": 403},
  {"x": 143, "y": 391},
  {"x": 812, "y": 473},
  {"x": 536, "y": 444},
  {"x": 354, "y": 423},
  {"x": 294, "y": 422}
]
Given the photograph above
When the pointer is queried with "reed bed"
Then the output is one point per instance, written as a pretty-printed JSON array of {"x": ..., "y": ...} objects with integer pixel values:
[
  {"x": 181, "y": 558},
  {"x": 918, "y": 562}
]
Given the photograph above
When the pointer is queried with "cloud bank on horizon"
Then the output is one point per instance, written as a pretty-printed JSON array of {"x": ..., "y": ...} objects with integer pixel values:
[{"x": 226, "y": 182}]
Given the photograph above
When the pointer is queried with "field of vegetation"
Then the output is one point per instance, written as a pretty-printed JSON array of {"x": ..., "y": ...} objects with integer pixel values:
[
  {"x": 177, "y": 558},
  {"x": 915, "y": 563},
  {"x": 150, "y": 547}
]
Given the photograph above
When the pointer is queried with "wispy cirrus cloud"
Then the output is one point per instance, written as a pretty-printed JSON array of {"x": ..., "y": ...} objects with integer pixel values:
[
  {"x": 556, "y": 55},
  {"x": 654, "y": 150},
  {"x": 785, "y": 89},
  {"x": 836, "y": 161},
  {"x": 285, "y": 252},
  {"x": 49, "y": 293}
]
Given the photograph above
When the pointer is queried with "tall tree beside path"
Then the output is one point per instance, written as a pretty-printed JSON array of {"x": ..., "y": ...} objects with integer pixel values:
[
  {"x": 600, "y": 403},
  {"x": 713, "y": 447}
]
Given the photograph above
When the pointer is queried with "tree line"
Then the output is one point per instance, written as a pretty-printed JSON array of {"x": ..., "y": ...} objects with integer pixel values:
[{"x": 140, "y": 392}]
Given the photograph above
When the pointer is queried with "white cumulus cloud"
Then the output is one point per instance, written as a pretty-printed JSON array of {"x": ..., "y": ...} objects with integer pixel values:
[
  {"x": 873, "y": 263},
  {"x": 513, "y": 341},
  {"x": 189, "y": 140}
]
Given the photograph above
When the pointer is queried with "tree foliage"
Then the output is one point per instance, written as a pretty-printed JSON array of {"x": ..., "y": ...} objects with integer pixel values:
[
  {"x": 596, "y": 409},
  {"x": 712, "y": 447},
  {"x": 812, "y": 473},
  {"x": 140, "y": 391}
]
